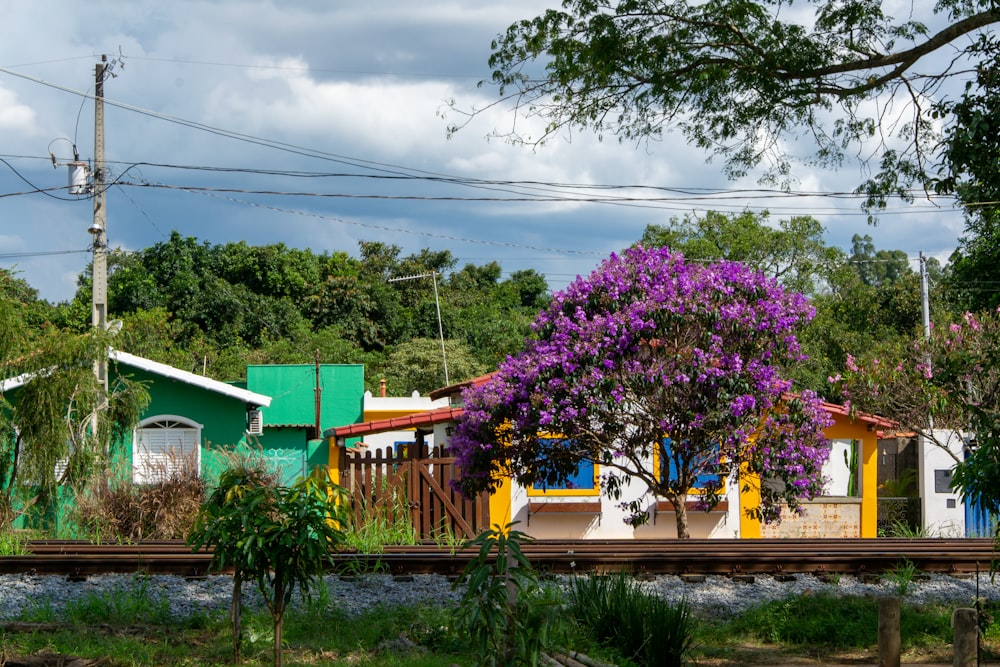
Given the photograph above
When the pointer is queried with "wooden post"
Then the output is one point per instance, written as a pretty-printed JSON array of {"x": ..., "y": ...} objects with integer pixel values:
[{"x": 889, "y": 643}]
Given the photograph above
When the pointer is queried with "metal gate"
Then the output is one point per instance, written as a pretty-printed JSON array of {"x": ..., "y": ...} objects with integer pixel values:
[{"x": 412, "y": 483}]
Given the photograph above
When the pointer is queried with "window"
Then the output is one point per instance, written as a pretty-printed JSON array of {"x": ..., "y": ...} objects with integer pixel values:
[
  {"x": 583, "y": 481},
  {"x": 165, "y": 446},
  {"x": 841, "y": 469},
  {"x": 663, "y": 453}
]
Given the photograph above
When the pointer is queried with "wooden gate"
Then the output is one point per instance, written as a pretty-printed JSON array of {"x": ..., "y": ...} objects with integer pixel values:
[{"x": 414, "y": 484}]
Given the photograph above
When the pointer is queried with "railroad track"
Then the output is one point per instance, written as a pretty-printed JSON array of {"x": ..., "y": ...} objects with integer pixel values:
[{"x": 826, "y": 556}]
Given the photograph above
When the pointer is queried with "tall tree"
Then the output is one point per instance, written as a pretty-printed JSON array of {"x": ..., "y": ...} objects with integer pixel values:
[
  {"x": 971, "y": 156},
  {"x": 738, "y": 77},
  {"x": 47, "y": 437},
  {"x": 941, "y": 387},
  {"x": 646, "y": 349},
  {"x": 793, "y": 251}
]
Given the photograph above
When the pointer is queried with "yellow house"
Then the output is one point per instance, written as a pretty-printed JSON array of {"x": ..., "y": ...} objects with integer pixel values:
[{"x": 579, "y": 511}]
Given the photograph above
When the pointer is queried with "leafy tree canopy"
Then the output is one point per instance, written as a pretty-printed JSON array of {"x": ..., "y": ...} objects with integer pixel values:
[
  {"x": 737, "y": 77},
  {"x": 648, "y": 347},
  {"x": 213, "y": 309},
  {"x": 793, "y": 252},
  {"x": 942, "y": 387}
]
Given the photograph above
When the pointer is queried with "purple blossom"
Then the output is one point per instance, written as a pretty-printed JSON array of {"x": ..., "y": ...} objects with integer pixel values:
[{"x": 649, "y": 344}]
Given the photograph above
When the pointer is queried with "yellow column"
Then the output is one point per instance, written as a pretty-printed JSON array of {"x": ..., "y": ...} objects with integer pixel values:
[
  {"x": 750, "y": 528},
  {"x": 869, "y": 485},
  {"x": 500, "y": 504},
  {"x": 334, "y": 465}
]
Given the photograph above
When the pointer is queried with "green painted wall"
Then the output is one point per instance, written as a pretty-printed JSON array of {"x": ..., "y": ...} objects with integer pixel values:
[
  {"x": 223, "y": 418},
  {"x": 292, "y": 388}
]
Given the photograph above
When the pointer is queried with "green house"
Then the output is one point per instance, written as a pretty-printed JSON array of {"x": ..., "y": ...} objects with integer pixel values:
[
  {"x": 191, "y": 420},
  {"x": 306, "y": 399}
]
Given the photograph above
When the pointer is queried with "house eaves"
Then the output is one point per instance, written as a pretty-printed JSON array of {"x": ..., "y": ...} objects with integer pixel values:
[
  {"x": 457, "y": 388},
  {"x": 874, "y": 422},
  {"x": 416, "y": 420},
  {"x": 155, "y": 367}
]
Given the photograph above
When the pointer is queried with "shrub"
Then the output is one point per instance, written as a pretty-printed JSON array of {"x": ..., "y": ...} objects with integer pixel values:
[
  {"x": 645, "y": 628},
  {"x": 128, "y": 512}
]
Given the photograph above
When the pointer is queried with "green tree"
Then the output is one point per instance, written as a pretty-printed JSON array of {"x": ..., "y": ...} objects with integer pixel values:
[
  {"x": 279, "y": 537},
  {"x": 47, "y": 423},
  {"x": 739, "y": 77},
  {"x": 652, "y": 356},
  {"x": 971, "y": 156},
  {"x": 418, "y": 365},
  {"x": 942, "y": 387},
  {"x": 793, "y": 252}
]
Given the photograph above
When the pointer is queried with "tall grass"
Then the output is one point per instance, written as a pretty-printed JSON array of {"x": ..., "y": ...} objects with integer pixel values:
[
  {"x": 381, "y": 520},
  {"x": 645, "y": 628},
  {"x": 827, "y": 621},
  {"x": 12, "y": 543},
  {"x": 128, "y": 512}
]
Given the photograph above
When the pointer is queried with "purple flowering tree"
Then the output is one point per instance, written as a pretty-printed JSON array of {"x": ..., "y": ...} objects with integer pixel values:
[{"x": 649, "y": 347}]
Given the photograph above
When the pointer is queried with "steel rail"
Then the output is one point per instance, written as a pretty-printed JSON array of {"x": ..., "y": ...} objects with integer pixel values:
[{"x": 774, "y": 556}]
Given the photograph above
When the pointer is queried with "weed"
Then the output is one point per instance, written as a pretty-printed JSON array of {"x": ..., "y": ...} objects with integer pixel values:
[
  {"x": 121, "y": 606},
  {"x": 380, "y": 520},
  {"x": 902, "y": 575},
  {"x": 445, "y": 538},
  {"x": 12, "y": 544},
  {"x": 906, "y": 531}
]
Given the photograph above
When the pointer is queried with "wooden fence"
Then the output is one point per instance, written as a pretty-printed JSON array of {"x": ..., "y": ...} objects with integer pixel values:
[{"x": 413, "y": 482}]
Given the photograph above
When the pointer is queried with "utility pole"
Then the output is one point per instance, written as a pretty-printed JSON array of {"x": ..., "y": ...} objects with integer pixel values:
[
  {"x": 925, "y": 297},
  {"x": 99, "y": 277},
  {"x": 437, "y": 303}
]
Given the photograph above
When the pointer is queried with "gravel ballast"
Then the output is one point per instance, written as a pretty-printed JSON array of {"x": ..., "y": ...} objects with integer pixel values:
[{"x": 23, "y": 596}]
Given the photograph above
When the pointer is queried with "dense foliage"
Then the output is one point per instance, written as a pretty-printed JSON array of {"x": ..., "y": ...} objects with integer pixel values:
[
  {"x": 862, "y": 295},
  {"x": 942, "y": 387},
  {"x": 652, "y": 353},
  {"x": 738, "y": 78},
  {"x": 59, "y": 423},
  {"x": 215, "y": 308}
]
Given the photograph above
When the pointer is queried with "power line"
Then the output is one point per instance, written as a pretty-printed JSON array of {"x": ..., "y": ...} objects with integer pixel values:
[{"x": 393, "y": 169}]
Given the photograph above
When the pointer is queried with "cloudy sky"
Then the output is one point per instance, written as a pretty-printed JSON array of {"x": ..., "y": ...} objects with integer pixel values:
[{"x": 340, "y": 111}]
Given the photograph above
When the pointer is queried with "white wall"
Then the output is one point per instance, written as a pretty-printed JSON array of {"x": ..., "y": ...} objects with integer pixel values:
[
  {"x": 610, "y": 523},
  {"x": 379, "y": 407},
  {"x": 942, "y": 511}
]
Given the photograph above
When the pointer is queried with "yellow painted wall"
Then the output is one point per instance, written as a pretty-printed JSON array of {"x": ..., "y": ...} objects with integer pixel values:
[
  {"x": 844, "y": 428},
  {"x": 500, "y": 505}
]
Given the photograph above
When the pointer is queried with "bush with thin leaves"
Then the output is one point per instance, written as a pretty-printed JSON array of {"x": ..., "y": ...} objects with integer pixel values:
[
  {"x": 164, "y": 509},
  {"x": 643, "y": 627}
]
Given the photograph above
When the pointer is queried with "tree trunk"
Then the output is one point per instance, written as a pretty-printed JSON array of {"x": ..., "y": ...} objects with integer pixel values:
[
  {"x": 235, "y": 616},
  {"x": 680, "y": 512},
  {"x": 278, "y": 611}
]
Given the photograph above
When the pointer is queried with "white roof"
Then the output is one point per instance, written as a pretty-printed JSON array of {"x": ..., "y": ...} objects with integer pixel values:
[{"x": 191, "y": 378}]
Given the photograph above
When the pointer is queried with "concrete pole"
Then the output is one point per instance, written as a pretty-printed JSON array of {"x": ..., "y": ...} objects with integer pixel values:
[
  {"x": 99, "y": 301},
  {"x": 925, "y": 297},
  {"x": 966, "y": 642},
  {"x": 889, "y": 642}
]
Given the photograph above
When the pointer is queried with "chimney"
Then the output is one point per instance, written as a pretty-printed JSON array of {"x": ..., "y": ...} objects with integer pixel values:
[{"x": 381, "y": 387}]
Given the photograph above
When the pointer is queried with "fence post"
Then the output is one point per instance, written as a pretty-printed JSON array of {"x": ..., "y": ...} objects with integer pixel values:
[
  {"x": 889, "y": 643},
  {"x": 966, "y": 642}
]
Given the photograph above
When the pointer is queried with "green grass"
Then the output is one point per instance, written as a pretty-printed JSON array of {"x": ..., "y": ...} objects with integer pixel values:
[
  {"x": 822, "y": 625},
  {"x": 312, "y": 637},
  {"x": 131, "y": 627}
]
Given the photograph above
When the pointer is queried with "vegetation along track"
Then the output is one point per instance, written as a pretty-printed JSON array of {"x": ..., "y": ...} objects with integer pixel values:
[{"x": 819, "y": 556}]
